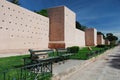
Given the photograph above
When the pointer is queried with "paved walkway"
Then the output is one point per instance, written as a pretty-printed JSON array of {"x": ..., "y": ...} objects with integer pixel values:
[
  {"x": 105, "y": 68},
  {"x": 69, "y": 64},
  {"x": 12, "y": 54}
]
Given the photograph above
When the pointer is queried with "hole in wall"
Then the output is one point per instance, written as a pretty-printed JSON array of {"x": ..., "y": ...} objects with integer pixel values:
[
  {"x": 2, "y": 5},
  {"x": 9, "y": 21},
  {"x": 0, "y": 27},
  {"x": 8, "y": 8},
  {"x": 11, "y": 35},
  {"x": 6, "y": 28}
]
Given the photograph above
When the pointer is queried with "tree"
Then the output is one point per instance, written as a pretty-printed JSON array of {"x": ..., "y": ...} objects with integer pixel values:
[
  {"x": 100, "y": 33},
  {"x": 15, "y": 1},
  {"x": 42, "y": 12},
  {"x": 79, "y": 26},
  {"x": 111, "y": 38},
  {"x": 119, "y": 42},
  {"x": 109, "y": 34}
]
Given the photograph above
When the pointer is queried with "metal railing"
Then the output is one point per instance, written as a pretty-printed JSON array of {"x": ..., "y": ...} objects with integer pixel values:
[{"x": 39, "y": 71}]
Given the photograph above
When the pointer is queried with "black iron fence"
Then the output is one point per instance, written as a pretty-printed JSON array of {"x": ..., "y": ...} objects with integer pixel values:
[{"x": 39, "y": 71}]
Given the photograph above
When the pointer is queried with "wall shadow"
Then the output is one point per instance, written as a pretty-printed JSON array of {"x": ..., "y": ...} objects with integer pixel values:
[{"x": 115, "y": 61}]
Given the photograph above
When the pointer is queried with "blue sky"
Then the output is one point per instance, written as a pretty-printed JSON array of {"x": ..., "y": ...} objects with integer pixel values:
[{"x": 104, "y": 15}]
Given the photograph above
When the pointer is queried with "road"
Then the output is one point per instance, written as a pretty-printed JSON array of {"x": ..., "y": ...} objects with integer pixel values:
[{"x": 105, "y": 68}]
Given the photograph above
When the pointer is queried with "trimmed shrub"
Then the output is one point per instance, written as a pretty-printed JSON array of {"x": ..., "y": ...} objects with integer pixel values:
[
  {"x": 73, "y": 49},
  {"x": 101, "y": 46}
]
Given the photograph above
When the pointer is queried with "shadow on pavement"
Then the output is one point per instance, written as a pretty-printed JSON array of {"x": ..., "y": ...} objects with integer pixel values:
[{"x": 115, "y": 61}]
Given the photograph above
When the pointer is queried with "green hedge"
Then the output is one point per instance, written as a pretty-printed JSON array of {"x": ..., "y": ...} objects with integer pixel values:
[
  {"x": 73, "y": 49},
  {"x": 101, "y": 46}
]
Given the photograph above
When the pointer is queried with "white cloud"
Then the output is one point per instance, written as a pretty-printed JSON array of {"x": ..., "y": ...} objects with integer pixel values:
[{"x": 117, "y": 34}]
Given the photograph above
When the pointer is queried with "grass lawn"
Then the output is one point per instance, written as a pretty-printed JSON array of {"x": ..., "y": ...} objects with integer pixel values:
[
  {"x": 10, "y": 62},
  {"x": 82, "y": 54}
]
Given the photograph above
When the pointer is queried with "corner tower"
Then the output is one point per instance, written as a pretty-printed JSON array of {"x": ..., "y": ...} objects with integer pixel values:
[{"x": 62, "y": 27}]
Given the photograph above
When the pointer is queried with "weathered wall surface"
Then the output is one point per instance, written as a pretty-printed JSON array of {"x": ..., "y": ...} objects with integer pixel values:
[
  {"x": 21, "y": 28},
  {"x": 80, "y": 38},
  {"x": 95, "y": 37},
  {"x": 100, "y": 40},
  {"x": 91, "y": 37},
  {"x": 69, "y": 27},
  {"x": 56, "y": 36}
]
